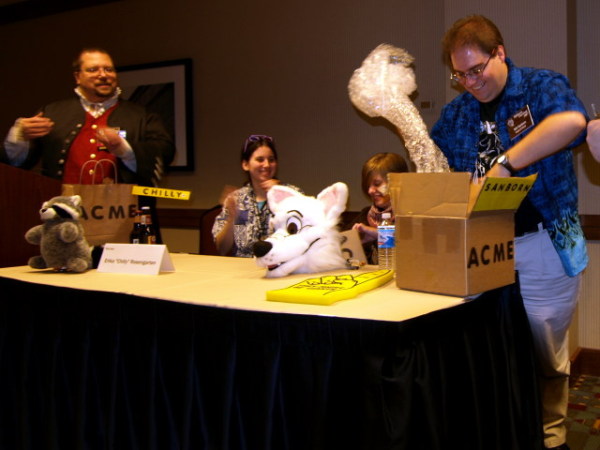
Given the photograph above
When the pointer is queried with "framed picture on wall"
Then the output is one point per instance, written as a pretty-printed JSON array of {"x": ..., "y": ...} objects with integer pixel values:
[{"x": 165, "y": 88}]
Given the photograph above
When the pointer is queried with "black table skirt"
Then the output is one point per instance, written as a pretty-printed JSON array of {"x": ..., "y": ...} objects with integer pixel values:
[{"x": 93, "y": 370}]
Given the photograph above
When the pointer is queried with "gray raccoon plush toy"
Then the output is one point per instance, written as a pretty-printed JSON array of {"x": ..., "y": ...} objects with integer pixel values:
[{"x": 63, "y": 246}]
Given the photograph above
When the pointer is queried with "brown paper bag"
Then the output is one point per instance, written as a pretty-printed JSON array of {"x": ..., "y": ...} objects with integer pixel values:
[{"x": 108, "y": 210}]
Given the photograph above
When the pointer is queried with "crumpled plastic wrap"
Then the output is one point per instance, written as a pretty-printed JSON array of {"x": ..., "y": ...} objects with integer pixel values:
[{"x": 381, "y": 87}]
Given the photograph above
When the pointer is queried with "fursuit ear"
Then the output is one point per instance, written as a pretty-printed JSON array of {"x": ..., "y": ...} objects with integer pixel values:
[
  {"x": 334, "y": 198},
  {"x": 279, "y": 193}
]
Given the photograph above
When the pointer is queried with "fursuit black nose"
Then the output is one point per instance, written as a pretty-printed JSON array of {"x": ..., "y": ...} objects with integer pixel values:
[{"x": 261, "y": 248}]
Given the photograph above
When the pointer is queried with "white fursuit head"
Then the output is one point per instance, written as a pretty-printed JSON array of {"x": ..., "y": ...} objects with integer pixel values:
[{"x": 305, "y": 237}]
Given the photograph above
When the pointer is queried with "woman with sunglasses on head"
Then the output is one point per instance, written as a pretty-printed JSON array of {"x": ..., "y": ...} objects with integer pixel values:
[
  {"x": 517, "y": 121},
  {"x": 245, "y": 215}
]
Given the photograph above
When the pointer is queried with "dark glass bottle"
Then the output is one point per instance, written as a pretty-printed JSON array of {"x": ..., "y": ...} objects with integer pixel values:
[
  {"x": 148, "y": 233},
  {"x": 136, "y": 233}
]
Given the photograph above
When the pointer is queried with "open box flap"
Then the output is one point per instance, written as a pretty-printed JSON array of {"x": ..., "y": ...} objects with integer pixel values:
[
  {"x": 496, "y": 194},
  {"x": 430, "y": 194},
  {"x": 451, "y": 194}
]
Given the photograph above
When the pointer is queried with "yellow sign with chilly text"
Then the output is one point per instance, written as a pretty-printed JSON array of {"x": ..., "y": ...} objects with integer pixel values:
[{"x": 162, "y": 193}]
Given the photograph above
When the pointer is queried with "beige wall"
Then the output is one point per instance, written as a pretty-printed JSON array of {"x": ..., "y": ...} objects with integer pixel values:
[{"x": 282, "y": 68}]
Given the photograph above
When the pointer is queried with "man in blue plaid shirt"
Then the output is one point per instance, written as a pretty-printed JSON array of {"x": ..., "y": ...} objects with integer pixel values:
[{"x": 513, "y": 121}]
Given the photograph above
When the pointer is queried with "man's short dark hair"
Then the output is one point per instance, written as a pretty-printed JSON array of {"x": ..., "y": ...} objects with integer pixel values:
[
  {"x": 77, "y": 61},
  {"x": 471, "y": 31}
]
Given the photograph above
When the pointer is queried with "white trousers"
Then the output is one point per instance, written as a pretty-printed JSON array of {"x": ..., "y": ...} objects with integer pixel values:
[{"x": 550, "y": 298}]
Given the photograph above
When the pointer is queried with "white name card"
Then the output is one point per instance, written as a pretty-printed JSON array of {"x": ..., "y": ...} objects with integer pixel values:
[{"x": 136, "y": 259}]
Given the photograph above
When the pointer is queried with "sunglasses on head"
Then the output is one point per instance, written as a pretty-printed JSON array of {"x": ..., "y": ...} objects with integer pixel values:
[{"x": 256, "y": 138}]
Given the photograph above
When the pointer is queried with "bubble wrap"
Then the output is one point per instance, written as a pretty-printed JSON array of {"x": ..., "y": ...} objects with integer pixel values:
[{"x": 380, "y": 87}]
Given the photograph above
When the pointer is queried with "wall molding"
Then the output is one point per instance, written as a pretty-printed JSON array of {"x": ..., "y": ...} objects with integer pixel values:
[
  {"x": 179, "y": 217},
  {"x": 585, "y": 361}
]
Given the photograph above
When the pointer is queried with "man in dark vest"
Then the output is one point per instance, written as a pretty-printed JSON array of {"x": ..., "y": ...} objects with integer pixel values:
[{"x": 71, "y": 136}]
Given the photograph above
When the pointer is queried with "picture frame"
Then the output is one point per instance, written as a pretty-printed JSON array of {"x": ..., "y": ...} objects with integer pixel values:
[{"x": 165, "y": 88}]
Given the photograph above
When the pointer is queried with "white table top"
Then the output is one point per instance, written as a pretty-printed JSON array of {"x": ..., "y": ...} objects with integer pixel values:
[{"x": 238, "y": 283}]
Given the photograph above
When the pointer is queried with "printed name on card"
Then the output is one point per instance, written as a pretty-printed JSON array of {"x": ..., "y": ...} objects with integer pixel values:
[{"x": 135, "y": 259}]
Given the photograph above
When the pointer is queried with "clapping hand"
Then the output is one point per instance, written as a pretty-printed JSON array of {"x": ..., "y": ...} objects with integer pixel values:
[
  {"x": 228, "y": 200},
  {"x": 268, "y": 184}
]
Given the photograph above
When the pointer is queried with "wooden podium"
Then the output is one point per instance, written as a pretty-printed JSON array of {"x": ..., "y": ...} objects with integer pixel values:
[{"x": 22, "y": 193}]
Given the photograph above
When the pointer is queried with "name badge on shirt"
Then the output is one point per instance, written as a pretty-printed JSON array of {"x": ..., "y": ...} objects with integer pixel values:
[{"x": 519, "y": 122}]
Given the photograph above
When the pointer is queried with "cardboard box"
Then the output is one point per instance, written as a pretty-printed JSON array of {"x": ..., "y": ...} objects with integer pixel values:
[{"x": 454, "y": 237}]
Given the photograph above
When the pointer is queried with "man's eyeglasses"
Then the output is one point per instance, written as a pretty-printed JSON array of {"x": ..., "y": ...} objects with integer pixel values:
[
  {"x": 93, "y": 70},
  {"x": 473, "y": 74}
]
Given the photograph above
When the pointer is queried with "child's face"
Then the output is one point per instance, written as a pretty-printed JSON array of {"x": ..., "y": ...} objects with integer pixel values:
[{"x": 378, "y": 191}]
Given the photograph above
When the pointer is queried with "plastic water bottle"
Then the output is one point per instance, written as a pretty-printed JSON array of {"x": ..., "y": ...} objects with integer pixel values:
[{"x": 386, "y": 246}]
